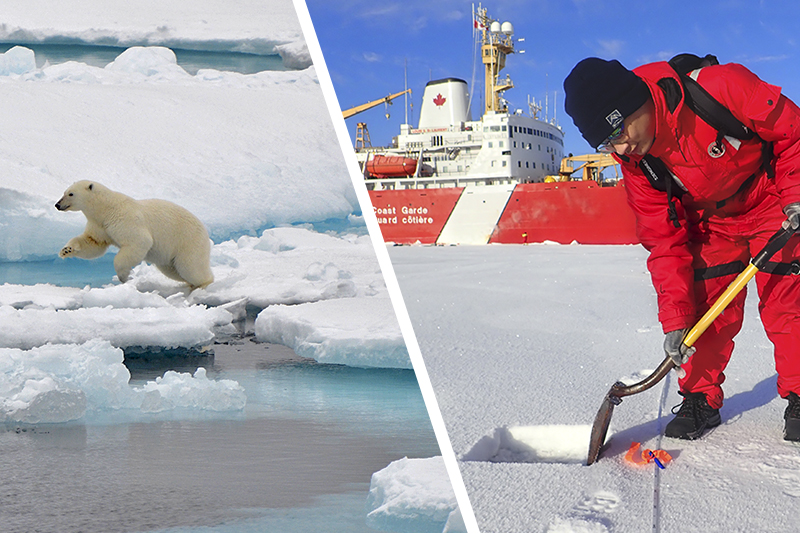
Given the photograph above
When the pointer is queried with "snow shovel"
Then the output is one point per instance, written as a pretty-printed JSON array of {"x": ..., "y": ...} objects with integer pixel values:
[{"x": 620, "y": 390}]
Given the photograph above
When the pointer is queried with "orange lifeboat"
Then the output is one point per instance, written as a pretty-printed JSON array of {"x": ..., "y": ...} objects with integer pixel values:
[{"x": 391, "y": 166}]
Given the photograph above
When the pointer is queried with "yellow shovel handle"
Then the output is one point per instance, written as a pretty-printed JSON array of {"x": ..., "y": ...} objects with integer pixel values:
[
  {"x": 775, "y": 243},
  {"x": 719, "y": 306}
]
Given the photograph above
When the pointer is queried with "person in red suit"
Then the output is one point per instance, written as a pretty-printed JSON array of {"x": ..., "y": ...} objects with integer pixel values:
[{"x": 724, "y": 197}]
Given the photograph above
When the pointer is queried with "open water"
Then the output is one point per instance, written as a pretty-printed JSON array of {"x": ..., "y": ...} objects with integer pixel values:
[{"x": 190, "y": 60}]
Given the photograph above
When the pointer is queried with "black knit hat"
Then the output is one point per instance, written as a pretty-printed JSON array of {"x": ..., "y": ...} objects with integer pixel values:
[{"x": 599, "y": 95}]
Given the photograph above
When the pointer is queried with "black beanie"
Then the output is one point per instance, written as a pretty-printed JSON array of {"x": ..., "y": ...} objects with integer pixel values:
[{"x": 599, "y": 95}]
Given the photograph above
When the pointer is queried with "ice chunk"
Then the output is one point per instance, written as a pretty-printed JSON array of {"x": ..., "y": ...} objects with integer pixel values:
[
  {"x": 147, "y": 61},
  {"x": 361, "y": 332},
  {"x": 413, "y": 495},
  {"x": 295, "y": 55},
  {"x": 181, "y": 389},
  {"x": 17, "y": 60},
  {"x": 61, "y": 382}
]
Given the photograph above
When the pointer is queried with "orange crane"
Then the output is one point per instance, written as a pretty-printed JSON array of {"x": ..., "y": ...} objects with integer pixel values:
[
  {"x": 347, "y": 113},
  {"x": 591, "y": 167}
]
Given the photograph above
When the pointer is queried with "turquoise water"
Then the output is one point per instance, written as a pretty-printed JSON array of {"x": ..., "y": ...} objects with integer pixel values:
[
  {"x": 190, "y": 60},
  {"x": 60, "y": 272}
]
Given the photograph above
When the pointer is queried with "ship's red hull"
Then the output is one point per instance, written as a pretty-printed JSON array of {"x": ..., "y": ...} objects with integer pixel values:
[
  {"x": 564, "y": 212},
  {"x": 413, "y": 215}
]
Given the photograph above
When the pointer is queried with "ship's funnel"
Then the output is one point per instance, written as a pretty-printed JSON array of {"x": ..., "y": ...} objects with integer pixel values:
[{"x": 445, "y": 103}]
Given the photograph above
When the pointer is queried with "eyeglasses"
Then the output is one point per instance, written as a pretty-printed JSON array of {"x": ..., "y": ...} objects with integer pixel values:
[{"x": 608, "y": 145}]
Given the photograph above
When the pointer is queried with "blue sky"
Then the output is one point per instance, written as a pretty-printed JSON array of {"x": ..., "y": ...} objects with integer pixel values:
[{"x": 367, "y": 43}]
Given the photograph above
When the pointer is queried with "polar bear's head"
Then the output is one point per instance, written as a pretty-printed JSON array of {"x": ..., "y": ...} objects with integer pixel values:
[{"x": 77, "y": 195}]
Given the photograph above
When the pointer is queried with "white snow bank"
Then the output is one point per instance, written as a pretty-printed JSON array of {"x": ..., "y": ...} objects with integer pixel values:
[
  {"x": 61, "y": 382},
  {"x": 413, "y": 496},
  {"x": 533, "y": 444},
  {"x": 355, "y": 332}
]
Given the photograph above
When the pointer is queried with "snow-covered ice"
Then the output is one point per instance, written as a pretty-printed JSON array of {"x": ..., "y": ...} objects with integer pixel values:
[
  {"x": 533, "y": 336},
  {"x": 369, "y": 333}
]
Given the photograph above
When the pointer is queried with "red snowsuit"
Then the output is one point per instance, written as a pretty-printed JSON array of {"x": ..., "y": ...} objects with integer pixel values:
[{"x": 725, "y": 217}]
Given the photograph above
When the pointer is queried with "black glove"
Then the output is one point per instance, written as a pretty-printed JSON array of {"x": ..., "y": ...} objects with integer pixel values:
[
  {"x": 792, "y": 212},
  {"x": 674, "y": 347}
]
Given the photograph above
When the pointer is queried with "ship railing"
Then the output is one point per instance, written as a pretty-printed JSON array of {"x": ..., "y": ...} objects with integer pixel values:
[
  {"x": 414, "y": 145},
  {"x": 436, "y": 182}
]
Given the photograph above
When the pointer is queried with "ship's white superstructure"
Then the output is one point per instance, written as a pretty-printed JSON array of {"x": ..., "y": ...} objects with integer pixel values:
[{"x": 503, "y": 146}]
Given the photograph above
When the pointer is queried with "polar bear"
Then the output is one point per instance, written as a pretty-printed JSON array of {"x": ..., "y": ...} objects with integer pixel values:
[{"x": 156, "y": 231}]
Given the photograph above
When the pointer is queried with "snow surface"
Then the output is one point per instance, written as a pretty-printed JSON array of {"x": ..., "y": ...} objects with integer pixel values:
[
  {"x": 534, "y": 336},
  {"x": 413, "y": 495}
]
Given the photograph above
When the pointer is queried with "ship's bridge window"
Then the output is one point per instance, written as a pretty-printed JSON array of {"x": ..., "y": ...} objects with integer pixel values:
[{"x": 495, "y": 128}]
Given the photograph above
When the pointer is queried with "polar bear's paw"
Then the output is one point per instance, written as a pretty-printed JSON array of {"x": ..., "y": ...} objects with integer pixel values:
[{"x": 67, "y": 251}]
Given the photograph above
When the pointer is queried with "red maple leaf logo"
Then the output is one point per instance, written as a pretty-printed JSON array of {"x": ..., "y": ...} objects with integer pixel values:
[{"x": 439, "y": 100}]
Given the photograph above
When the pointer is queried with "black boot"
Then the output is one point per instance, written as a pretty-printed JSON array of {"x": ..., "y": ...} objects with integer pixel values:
[
  {"x": 791, "y": 430},
  {"x": 693, "y": 418}
]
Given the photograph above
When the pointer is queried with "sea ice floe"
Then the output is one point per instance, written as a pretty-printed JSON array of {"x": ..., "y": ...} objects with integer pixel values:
[{"x": 61, "y": 382}]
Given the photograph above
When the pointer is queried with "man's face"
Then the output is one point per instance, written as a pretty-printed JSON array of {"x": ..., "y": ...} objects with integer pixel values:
[{"x": 638, "y": 132}]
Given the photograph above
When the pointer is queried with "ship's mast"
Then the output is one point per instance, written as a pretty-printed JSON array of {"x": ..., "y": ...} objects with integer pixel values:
[{"x": 497, "y": 44}]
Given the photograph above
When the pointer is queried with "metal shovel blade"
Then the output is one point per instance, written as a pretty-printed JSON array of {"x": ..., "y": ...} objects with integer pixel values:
[
  {"x": 600, "y": 427},
  {"x": 614, "y": 397}
]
